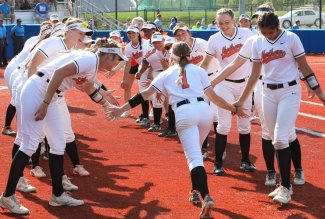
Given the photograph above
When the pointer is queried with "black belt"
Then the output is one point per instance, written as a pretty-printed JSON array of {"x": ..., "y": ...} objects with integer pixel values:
[
  {"x": 209, "y": 74},
  {"x": 186, "y": 101},
  {"x": 236, "y": 81},
  {"x": 278, "y": 86},
  {"x": 260, "y": 77},
  {"x": 40, "y": 74},
  {"x": 160, "y": 70}
]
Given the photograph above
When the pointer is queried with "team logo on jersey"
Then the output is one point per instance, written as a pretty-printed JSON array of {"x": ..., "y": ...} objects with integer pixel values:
[
  {"x": 272, "y": 55},
  {"x": 137, "y": 55},
  {"x": 231, "y": 50},
  {"x": 196, "y": 59},
  {"x": 80, "y": 80},
  {"x": 149, "y": 53}
]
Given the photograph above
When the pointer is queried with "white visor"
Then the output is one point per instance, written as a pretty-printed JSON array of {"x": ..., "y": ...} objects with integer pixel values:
[
  {"x": 54, "y": 17},
  {"x": 133, "y": 29},
  {"x": 46, "y": 29},
  {"x": 83, "y": 27},
  {"x": 180, "y": 28},
  {"x": 157, "y": 37},
  {"x": 148, "y": 26},
  {"x": 114, "y": 34},
  {"x": 116, "y": 50},
  {"x": 57, "y": 30}
]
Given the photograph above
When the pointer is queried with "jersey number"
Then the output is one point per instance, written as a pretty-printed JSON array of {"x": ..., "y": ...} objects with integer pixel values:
[{"x": 184, "y": 80}]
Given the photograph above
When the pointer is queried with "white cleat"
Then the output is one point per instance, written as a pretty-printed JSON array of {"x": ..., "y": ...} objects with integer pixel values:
[
  {"x": 67, "y": 184},
  {"x": 207, "y": 207},
  {"x": 283, "y": 195},
  {"x": 12, "y": 204},
  {"x": 80, "y": 170},
  {"x": 65, "y": 199},
  {"x": 275, "y": 192},
  {"x": 24, "y": 186},
  {"x": 37, "y": 172},
  {"x": 299, "y": 177},
  {"x": 126, "y": 114}
]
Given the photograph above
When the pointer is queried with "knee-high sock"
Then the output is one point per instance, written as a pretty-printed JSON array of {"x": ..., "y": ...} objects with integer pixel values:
[
  {"x": 245, "y": 143},
  {"x": 157, "y": 115},
  {"x": 16, "y": 171},
  {"x": 35, "y": 156},
  {"x": 56, "y": 169},
  {"x": 14, "y": 150},
  {"x": 295, "y": 153},
  {"x": 284, "y": 159},
  {"x": 10, "y": 114},
  {"x": 268, "y": 154},
  {"x": 72, "y": 151},
  {"x": 220, "y": 146},
  {"x": 199, "y": 177},
  {"x": 145, "y": 109},
  {"x": 171, "y": 118}
]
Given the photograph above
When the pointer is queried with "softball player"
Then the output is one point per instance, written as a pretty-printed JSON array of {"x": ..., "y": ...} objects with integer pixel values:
[
  {"x": 279, "y": 52},
  {"x": 134, "y": 51},
  {"x": 40, "y": 108},
  {"x": 224, "y": 45},
  {"x": 186, "y": 85},
  {"x": 153, "y": 58}
]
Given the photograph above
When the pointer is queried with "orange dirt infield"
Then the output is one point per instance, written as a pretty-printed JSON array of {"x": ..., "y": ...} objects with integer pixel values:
[{"x": 135, "y": 174}]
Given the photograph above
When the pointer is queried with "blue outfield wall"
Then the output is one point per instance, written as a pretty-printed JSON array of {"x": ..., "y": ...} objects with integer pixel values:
[{"x": 313, "y": 40}]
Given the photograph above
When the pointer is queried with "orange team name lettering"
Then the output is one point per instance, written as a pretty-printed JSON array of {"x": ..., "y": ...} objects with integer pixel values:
[
  {"x": 137, "y": 55},
  {"x": 150, "y": 52},
  {"x": 272, "y": 55},
  {"x": 232, "y": 49},
  {"x": 80, "y": 80},
  {"x": 196, "y": 59}
]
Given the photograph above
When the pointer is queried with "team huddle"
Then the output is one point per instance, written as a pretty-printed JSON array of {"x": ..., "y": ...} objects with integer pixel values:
[{"x": 184, "y": 76}]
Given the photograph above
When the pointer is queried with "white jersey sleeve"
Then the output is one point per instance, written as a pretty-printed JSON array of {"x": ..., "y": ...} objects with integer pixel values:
[
  {"x": 296, "y": 46},
  {"x": 51, "y": 46}
]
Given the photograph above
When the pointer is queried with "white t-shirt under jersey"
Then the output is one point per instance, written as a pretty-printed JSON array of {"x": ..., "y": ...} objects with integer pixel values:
[
  {"x": 225, "y": 49},
  {"x": 196, "y": 77},
  {"x": 278, "y": 57},
  {"x": 86, "y": 63}
]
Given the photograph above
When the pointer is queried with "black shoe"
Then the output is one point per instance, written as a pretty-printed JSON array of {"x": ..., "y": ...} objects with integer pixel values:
[
  {"x": 195, "y": 197},
  {"x": 167, "y": 133},
  {"x": 218, "y": 170},
  {"x": 247, "y": 166}
]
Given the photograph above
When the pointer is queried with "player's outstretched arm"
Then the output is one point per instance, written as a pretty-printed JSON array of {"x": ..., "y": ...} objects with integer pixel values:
[
  {"x": 114, "y": 112},
  {"x": 256, "y": 71},
  {"x": 206, "y": 61},
  {"x": 309, "y": 77},
  {"x": 228, "y": 70}
]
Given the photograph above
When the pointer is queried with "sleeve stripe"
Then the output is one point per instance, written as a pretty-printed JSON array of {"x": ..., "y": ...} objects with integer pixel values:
[
  {"x": 76, "y": 66},
  {"x": 244, "y": 57},
  {"x": 208, "y": 87},
  {"x": 156, "y": 88},
  {"x": 43, "y": 53},
  {"x": 303, "y": 53}
]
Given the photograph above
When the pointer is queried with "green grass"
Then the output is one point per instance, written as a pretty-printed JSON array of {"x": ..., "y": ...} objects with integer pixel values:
[{"x": 188, "y": 17}]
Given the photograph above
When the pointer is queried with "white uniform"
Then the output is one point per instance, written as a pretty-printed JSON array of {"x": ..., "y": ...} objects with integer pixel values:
[
  {"x": 154, "y": 57},
  {"x": 225, "y": 50},
  {"x": 137, "y": 54},
  {"x": 192, "y": 127},
  {"x": 280, "y": 106},
  {"x": 33, "y": 94}
]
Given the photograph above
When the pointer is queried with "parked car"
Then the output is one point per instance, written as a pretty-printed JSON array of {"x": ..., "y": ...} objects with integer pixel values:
[{"x": 308, "y": 17}]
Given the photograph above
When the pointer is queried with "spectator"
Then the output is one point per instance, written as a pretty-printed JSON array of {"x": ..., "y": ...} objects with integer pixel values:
[
  {"x": 128, "y": 23},
  {"x": 3, "y": 44},
  {"x": 70, "y": 7},
  {"x": 54, "y": 18},
  {"x": 203, "y": 24},
  {"x": 197, "y": 26},
  {"x": 213, "y": 25},
  {"x": 17, "y": 35},
  {"x": 173, "y": 23},
  {"x": 296, "y": 26},
  {"x": 23, "y": 5},
  {"x": 92, "y": 24},
  {"x": 41, "y": 11},
  {"x": 158, "y": 22},
  {"x": 7, "y": 11}
]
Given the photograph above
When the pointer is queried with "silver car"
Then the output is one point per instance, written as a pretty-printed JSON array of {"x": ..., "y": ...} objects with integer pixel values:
[{"x": 308, "y": 17}]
